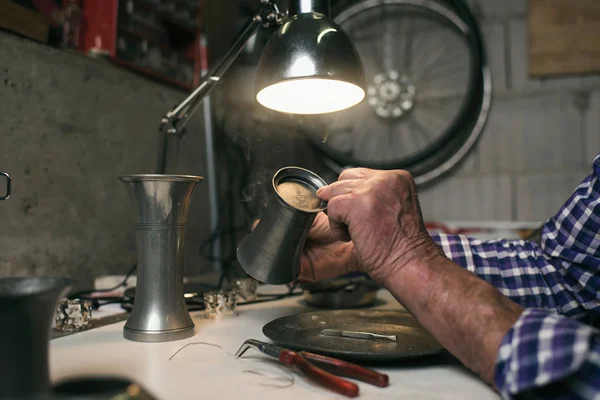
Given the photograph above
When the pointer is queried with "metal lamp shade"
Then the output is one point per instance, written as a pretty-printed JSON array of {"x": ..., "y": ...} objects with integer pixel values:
[{"x": 310, "y": 66}]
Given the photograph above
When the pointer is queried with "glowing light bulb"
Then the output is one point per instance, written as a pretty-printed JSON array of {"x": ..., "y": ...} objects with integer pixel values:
[{"x": 310, "y": 96}]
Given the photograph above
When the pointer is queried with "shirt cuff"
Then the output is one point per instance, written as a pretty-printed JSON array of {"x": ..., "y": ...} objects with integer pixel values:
[{"x": 541, "y": 348}]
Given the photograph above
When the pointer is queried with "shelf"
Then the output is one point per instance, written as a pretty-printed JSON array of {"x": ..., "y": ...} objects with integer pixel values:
[
  {"x": 168, "y": 19},
  {"x": 154, "y": 74},
  {"x": 156, "y": 41}
]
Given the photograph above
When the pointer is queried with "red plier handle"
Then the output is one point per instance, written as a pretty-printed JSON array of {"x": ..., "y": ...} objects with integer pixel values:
[
  {"x": 347, "y": 369},
  {"x": 327, "y": 366}
]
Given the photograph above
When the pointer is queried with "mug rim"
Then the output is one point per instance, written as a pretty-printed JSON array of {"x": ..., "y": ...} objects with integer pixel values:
[{"x": 304, "y": 175}]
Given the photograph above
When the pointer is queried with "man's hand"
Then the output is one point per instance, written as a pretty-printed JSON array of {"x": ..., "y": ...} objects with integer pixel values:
[
  {"x": 379, "y": 211},
  {"x": 324, "y": 256}
]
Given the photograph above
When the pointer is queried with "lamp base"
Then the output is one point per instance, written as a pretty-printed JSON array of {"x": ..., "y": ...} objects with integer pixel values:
[{"x": 158, "y": 336}]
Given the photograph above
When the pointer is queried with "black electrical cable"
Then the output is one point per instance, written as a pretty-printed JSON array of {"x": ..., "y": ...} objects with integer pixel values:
[
  {"x": 233, "y": 184},
  {"x": 197, "y": 303},
  {"x": 238, "y": 168},
  {"x": 83, "y": 293}
]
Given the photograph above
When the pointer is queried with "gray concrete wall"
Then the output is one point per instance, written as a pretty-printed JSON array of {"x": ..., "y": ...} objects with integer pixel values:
[
  {"x": 70, "y": 125},
  {"x": 540, "y": 140}
]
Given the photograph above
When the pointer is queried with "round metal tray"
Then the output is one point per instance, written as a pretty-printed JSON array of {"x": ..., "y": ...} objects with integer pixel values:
[
  {"x": 341, "y": 293},
  {"x": 303, "y": 331}
]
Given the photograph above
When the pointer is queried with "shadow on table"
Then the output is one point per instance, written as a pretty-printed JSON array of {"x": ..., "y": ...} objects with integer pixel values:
[
  {"x": 377, "y": 303},
  {"x": 443, "y": 358}
]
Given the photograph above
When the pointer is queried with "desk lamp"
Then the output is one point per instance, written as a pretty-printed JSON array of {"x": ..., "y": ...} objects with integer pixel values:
[{"x": 309, "y": 66}]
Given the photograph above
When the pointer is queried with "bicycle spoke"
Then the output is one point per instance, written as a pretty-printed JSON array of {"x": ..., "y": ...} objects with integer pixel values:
[
  {"x": 427, "y": 48},
  {"x": 408, "y": 47}
]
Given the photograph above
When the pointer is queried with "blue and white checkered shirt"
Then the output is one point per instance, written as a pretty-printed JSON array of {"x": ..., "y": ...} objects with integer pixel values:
[{"x": 553, "y": 351}]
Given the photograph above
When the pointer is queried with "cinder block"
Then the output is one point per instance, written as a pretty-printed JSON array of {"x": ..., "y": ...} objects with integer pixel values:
[
  {"x": 475, "y": 7},
  {"x": 519, "y": 65},
  {"x": 590, "y": 82},
  {"x": 502, "y": 9},
  {"x": 468, "y": 198},
  {"x": 496, "y": 145},
  {"x": 470, "y": 163},
  {"x": 532, "y": 134},
  {"x": 70, "y": 126},
  {"x": 592, "y": 128},
  {"x": 493, "y": 35},
  {"x": 539, "y": 197}
]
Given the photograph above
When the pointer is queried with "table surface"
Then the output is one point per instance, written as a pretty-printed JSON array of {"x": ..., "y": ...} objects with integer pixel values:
[{"x": 208, "y": 368}]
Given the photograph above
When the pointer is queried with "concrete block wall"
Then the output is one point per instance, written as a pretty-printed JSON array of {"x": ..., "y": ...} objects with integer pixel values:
[
  {"x": 540, "y": 140},
  {"x": 70, "y": 125}
]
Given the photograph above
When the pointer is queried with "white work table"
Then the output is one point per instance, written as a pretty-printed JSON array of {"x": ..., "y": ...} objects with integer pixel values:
[{"x": 210, "y": 372}]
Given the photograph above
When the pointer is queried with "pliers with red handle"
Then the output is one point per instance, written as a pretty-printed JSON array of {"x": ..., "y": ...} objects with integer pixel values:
[{"x": 320, "y": 369}]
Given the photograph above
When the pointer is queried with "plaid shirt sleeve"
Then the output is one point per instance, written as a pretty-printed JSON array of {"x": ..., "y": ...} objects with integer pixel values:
[{"x": 546, "y": 355}]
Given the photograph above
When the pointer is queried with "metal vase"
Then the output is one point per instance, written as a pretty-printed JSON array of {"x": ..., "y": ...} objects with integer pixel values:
[
  {"x": 26, "y": 310},
  {"x": 161, "y": 204},
  {"x": 271, "y": 253}
]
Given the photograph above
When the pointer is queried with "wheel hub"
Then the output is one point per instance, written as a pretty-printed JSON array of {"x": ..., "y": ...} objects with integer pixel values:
[{"x": 391, "y": 95}]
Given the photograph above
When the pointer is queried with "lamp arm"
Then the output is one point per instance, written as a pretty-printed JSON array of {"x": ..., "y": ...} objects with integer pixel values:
[{"x": 174, "y": 121}]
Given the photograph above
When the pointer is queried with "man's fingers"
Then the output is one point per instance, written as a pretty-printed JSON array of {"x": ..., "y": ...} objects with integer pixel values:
[
  {"x": 354, "y": 173},
  {"x": 338, "y": 188},
  {"x": 340, "y": 230},
  {"x": 320, "y": 231},
  {"x": 307, "y": 273},
  {"x": 338, "y": 211}
]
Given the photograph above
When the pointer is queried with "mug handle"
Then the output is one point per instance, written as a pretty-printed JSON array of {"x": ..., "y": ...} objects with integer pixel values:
[{"x": 7, "y": 186}]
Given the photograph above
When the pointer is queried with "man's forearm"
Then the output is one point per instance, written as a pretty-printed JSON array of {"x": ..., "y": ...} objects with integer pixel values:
[
  {"x": 466, "y": 315},
  {"x": 543, "y": 282}
]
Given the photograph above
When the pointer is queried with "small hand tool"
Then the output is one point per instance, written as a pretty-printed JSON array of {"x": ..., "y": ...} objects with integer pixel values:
[
  {"x": 320, "y": 369},
  {"x": 357, "y": 335}
]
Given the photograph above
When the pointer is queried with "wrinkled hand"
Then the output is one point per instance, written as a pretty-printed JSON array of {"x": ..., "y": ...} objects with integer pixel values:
[
  {"x": 324, "y": 256},
  {"x": 379, "y": 212},
  {"x": 377, "y": 215}
]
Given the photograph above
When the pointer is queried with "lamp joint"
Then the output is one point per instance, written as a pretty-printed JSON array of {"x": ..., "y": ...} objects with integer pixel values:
[{"x": 270, "y": 14}]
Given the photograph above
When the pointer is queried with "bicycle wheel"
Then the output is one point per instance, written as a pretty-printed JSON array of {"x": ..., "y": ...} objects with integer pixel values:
[{"x": 429, "y": 89}]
